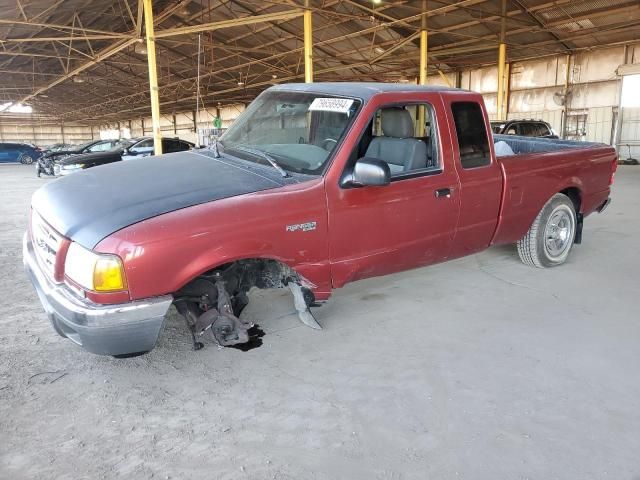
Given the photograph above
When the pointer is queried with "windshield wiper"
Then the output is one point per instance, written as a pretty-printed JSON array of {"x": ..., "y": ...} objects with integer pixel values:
[{"x": 262, "y": 154}]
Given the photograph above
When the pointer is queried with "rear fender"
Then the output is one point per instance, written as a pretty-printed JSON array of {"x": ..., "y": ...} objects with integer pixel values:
[{"x": 515, "y": 221}]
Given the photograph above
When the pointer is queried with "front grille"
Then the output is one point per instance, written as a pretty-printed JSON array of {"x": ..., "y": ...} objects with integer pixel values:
[{"x": 46, "y": 243}]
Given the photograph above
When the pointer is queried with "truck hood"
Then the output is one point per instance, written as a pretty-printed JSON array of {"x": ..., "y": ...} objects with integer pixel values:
[{"x": 90, "y": 205}]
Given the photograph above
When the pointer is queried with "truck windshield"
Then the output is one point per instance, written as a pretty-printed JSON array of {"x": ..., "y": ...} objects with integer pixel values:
[{"x": 298, "y": 130}]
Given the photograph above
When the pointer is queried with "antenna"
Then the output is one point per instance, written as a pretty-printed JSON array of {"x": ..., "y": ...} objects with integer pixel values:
[{"x": 198, "y": 95}]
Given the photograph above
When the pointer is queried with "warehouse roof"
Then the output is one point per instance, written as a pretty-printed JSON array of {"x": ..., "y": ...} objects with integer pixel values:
[{"x": 85, "y": 59}]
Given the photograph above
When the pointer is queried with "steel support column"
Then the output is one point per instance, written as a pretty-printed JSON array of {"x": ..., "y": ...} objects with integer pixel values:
[
  {"x": 153, "y": 76},
  {"x": 502, "y": 56},
  {"x": 308, "y": 43},
  {"x": 565, "y": 107},
  {"x": 424, "y": 45},
  {"x": 422, "y": 79},
  {"x": 507, "y": 92}
]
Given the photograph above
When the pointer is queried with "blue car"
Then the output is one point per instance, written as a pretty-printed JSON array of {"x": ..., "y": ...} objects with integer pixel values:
[{"x": 19, "y": 152}]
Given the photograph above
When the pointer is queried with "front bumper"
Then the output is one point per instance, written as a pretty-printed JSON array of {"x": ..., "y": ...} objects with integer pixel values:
[
  {"x": 120, "y": 329},
  {"x": 65, "y": 171}
]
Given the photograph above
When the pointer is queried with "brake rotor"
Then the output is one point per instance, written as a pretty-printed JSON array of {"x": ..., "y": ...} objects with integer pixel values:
[{"x": 228, "y": 330}]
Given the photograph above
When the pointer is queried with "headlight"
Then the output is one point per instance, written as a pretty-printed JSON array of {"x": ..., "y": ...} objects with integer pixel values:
[
  {"x": 94, "y": 271},
  {"x": 73, "y": 166}
]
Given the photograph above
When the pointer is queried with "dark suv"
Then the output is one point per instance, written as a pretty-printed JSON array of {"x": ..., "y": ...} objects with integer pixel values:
[{"x": 524, "y": 128}]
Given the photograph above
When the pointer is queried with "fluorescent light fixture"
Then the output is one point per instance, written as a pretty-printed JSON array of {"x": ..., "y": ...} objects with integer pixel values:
[
  {"x": 15, "y": 108},
  {"x": 140, "y": 48}
]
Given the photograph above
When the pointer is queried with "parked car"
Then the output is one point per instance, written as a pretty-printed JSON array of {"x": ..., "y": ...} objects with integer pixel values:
[
  {"x": 144, "y": 147},
  {"x": 312, "y": 187},
  {"x": 66, "y": 163},
  {"x": 76, "y": 163},
  {"x": 93, "y": 146},
  {"x": 19, "y": 152},
  {"x": 524, "y": 128}
]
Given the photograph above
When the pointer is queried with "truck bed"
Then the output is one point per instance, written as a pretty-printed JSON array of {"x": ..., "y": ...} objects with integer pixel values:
[
  {"x": 521, "y": 145},
  {"x": 539, "y": 169}
]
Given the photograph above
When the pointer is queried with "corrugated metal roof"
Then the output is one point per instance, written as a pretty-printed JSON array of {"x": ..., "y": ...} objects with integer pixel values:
[{"x": 354, "y": 40}]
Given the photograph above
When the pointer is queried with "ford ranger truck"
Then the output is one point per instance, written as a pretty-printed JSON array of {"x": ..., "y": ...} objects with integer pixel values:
[{"x": 313, "y": 186}]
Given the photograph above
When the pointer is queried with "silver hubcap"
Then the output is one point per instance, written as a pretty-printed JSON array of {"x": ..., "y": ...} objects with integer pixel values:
[{"x": 558, "y": 233}]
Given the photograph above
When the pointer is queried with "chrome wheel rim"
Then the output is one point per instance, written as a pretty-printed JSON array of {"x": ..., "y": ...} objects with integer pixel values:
[{"x": 558, "y": 233}]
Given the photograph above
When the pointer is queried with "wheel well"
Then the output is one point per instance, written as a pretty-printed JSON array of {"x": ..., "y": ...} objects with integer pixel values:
[
  {"x": 574, "y": 194},
  {"x": 242, "y": 275}
]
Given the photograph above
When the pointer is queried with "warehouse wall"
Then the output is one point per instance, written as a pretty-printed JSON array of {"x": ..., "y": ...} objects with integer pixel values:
[
  {"x": 31, "y": 130},
  {"x": 536, "y": 90},
  {"x": 182, "y": 124}
]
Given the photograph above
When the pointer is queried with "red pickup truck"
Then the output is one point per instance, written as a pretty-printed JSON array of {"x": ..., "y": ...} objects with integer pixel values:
[{"x": 314, "y": 186}]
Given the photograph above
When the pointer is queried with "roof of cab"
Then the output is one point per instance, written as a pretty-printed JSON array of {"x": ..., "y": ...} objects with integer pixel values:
[{"x": 363, "y": 90}]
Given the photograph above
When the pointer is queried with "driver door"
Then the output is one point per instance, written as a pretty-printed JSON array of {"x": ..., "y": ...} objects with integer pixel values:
[{"x": 406, "y": 224}]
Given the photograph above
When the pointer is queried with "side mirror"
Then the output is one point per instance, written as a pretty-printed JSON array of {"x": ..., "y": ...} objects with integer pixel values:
[
  {"x": 367, "y": 172},
  {"x": 125, "y": 151}
]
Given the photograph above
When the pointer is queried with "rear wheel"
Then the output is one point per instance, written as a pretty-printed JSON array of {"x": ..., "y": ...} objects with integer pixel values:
[{"x": 550, "y": 238}]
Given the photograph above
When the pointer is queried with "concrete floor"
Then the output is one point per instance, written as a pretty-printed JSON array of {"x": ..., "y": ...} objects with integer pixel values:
[{"x": 480, "y": 368}]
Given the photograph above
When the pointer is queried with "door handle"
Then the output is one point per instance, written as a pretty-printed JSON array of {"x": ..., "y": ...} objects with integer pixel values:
[{"x": 443, "y": 192}]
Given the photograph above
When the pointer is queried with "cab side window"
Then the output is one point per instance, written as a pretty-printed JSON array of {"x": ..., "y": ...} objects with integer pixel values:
[
  {"x": 405, "y": 137},
  {"x": 169, "y": 146},
  {"x": 100, "y": 147},
  {"x": 542, "y": 130},
  {"x": 472, "y": 134}
]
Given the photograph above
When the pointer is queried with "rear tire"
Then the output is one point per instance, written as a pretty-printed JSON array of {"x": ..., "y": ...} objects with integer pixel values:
[{"x": 550, "y": 238}]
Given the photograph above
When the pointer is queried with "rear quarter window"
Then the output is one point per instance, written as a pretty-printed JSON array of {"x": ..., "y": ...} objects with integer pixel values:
[{"x": 473, "y": 143}]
